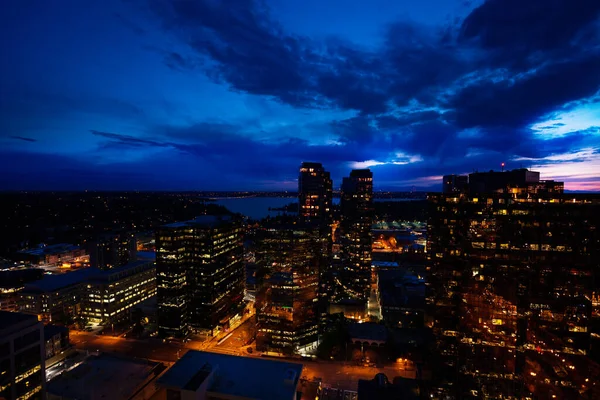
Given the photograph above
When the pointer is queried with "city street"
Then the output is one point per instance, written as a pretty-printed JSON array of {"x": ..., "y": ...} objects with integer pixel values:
[{"x": 335, "y": 374}]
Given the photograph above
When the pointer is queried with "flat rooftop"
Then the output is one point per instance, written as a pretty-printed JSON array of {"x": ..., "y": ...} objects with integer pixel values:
[
  {"x": 52, "y": 249},
  {"x": 203, "y": 221},
  {"x": 12, "y": 319},
  {"x": 247, "y": 377},
  {"x": 368, "y": 331},
  {"x": 50, "y": 283},
  {"x": 384, "y": 264},
  {"x": 102, "y": 377}
]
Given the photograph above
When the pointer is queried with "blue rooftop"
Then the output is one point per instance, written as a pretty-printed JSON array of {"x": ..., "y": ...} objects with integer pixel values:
[{"x": 246, "y": 377}]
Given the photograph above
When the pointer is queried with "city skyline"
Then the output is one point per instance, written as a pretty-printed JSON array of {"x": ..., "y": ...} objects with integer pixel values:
[{"x": 162, "y": 95}]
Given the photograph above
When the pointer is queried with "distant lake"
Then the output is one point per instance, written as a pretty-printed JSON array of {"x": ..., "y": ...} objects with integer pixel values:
[{"x": 258, "y": 207}]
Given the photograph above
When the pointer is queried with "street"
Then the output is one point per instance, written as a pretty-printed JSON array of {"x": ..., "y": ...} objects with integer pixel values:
[{"x": 335, "y": 374}]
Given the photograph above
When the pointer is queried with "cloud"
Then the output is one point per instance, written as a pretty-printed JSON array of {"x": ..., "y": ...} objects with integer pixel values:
[
  {"x": 129, "y": 140},
  {"x": 512, "y": 81},
  {"x": 26, "y": 139}
]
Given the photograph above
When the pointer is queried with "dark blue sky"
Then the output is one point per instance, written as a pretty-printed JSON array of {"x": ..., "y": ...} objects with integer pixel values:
[{"x": 201, "y": 95}]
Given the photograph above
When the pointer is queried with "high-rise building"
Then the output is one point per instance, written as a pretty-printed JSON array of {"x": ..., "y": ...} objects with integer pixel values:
[
  {"x": 353, "y": 278},
  {"x": 455, "y": 183},
  {"x": 513, "y": 267},
  {"x": 287, "y": 300},
  {"x": 22, "y": 357},
  {"x": 113, "y": 250},
  {"x": 315, "y": 190},
  {"x": 200, "y": 275}
]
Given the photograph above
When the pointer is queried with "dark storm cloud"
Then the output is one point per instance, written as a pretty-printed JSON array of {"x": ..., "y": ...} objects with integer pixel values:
[
  {"x": 526, "y": 27},
  {"x": 26, "y": 139},
  {"x": 457, "y": 95},
  {"x": 424, "y": 102},
  {"x": 524, "y": 101}
]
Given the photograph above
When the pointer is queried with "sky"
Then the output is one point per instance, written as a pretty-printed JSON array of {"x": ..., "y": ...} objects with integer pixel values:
[{"x": 234, "y": 95}]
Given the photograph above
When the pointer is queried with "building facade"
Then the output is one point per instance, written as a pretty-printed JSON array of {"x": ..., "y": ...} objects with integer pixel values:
[
  {"x": 513, "y": 267},
  {"x": 200, "y": 275},
  {"x": 455, "y": 183},
  {"x": 113, "y": 250},
  {"x": 315, "y": 191},
  {"x": 56, "y": 339},
  {"x": 108, "y": 296},
  {"x": 287, "y": 299},
  {"x": 354, "y": 276},
  {"x": 22, "y": 358},
  {"x": 100, "y": 296},
  {"x": 55, "y": 254}
]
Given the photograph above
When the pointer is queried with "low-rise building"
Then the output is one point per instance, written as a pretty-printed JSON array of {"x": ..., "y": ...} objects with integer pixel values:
[
  {"x": 203, "y": 375},
  {"x": 22, "y": 373},
  {"x": 110, "y": 294},
  {"x": 106, "y": 377},
  {"x": 55, "y": 298},
  {"x": 56, "y": 340},
  {"x": 55, "y": 254},
  {"x": 102, "y": 296}
]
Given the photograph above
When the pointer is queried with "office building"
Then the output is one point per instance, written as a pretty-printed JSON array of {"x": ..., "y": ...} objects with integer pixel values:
[
  {"x": 401, "y": 297},
  {"x": 512, "y": 262},
  {"x": 202, "y": 375},
  {"x": 100, "y": 296},
  {"x": 56, "y": 339},
  {"x": 354, "y": 276},
  {"x": 454, "y": 183},
  {"x": 22, "y": 372},
  {"x": 107, "y": 376},
  {"x": 109, "y": 295},
  {"x": 54, "y": 255},
  {"x": 200, "y": 275},
  {"x": 287, "y": 298},
  {"x": 113, "y": 250},
  {"x": 55, "y": 298},
  {"x": 315, "y": 190}
]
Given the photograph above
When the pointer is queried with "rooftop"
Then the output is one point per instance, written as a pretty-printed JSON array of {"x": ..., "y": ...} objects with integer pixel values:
[
  {"x": 52, "y": 249},
  {"x": 202, "y": 221},
  {"x": 50, "y": 283},
  {"x": 384, "y": 264},
  {"x": 247, "y": 377},
  {"x": 12, "y": 319},
  {"x": 146, "y": 255},
  {"x": 368, "y": 331},
  {"x": 102, "y": 377},
  {"x": 52, "y": 330}
]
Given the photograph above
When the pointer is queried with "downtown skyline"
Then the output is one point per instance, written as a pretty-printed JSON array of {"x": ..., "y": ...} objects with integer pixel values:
[{"x": 205, "y": 95}]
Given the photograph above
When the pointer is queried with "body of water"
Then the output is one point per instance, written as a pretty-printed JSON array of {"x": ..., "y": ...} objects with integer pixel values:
[{"x": 258, "y": 207}]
